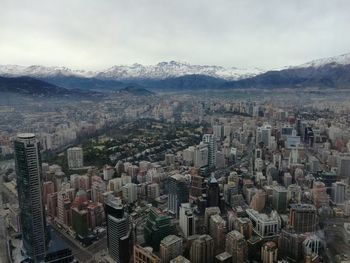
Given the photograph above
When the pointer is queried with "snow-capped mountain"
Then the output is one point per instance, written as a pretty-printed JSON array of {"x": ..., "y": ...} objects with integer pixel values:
[
  {"x": 161, "y": 70},
  {"x": 42, "y": 71},
  {"x": 336, "y": 61},
  {"x": 171, "y": 69}
]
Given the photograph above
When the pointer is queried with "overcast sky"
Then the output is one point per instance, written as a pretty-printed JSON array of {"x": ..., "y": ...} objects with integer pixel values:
[{"x": 96, "y": 34}]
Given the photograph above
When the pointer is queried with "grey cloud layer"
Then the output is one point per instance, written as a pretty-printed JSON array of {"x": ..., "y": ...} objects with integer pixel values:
[{"x": 244, "y": 33}]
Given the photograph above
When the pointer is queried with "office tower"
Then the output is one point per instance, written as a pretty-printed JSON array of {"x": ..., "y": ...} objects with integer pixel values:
[
  {"x": 290, "y": 245},
  {"x": 63, "y": 208},
  {"x": 223, "y": 257},
  {"x": 198, "y": 187},
  {"x": 213, "y": 192},
  {"x": 294, "y": 193},
  {"x": 75, "y": 157},
  {"x": 169, "y": 159},
  {"x": 287, "y": 179},
  {"x": 170, "y": 248},
  {"x": 264, "y": 225},
  {"x": 258, "y": 201},
  {"x": 144, "y": 255},
  {"x": 244, "y": 226},
  {"x": 209, "y": 211},
  {"x": 187, "y": 220},
  {"x": 158, "y": 226},
  {"x": 152, "y": 191},
  {"x": 269, "y": 252},
  {"x": 263, "y": 135},
  {"x": 29, "y": 187},
  {"x": 200, "y": 156},
  {"x": 344, "y": 166},
  {"x": 217, "y": 131},
  {"x": 119, "y": 231},
  {"x": 217, "y": 231},
  {"x": 339, "y": 192},
  {"x": 130, "y": 193},
  {"x": 108, "y": 172},
  {"x": 210, "y": 140},
  {"x": 180, "y": 259},
  {"x": 279, "y": 199},
  {"x": 236, "y": 245},
  {"x": 319, "y": 194},
  {"x": 178, "y": 193},
  {"x": 303, "y": 218},
  {"x": 202, "y": 250}
]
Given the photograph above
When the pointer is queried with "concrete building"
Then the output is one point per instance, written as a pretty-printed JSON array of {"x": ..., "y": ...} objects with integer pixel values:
[
  {"x": 75, "y": 158},
  {"x": 223, "y": 257},
  {"x": 339, "y": 192},
  {"x": 217, "y": 231},
  {"x": 170, "y": 248},
  {"x": 202, "y": 250},
  {"x": 144, "y": 255},
  {"x": 279, "y": 199},
  {"x": 211, "y": 141},
  {"x": 303, "y": 218},
  {"x": 130, "y": 192},
  {"x": 187, "y": 220},
  {"x": 265, "y": 225},
  {"x": 180, "y": 259},
  {"x": 269, "y": 252},
  {"x": 236, "y": 245}
]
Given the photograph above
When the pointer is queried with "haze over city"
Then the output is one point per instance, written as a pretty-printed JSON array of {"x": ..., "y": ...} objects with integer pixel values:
[{"x": 174, "y": 131}]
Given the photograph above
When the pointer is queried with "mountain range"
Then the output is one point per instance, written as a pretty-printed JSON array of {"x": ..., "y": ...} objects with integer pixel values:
[{"x": 333, "y": 72}]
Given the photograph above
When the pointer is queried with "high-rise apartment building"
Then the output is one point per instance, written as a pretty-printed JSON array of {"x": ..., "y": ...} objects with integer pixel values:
[
  {"x": 269, "y": 252},
  {"x": 202, "y": 250},
  {"x": 75, "y": 157},
  {"x": 170, "y": 248},
  {"x": 210, "y": 140},
  {"x": 30, "y": 187},
  {"x": 236, "y": 245},
  {"x": 187, "y": 220}
]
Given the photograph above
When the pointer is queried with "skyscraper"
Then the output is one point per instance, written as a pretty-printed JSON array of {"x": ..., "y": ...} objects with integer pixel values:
[
  {"x": 213, "y": 192},
  {"x": 187, "y": 220},
  {"x": 119, "y": 237},
  {"x": 210, "y": 139},
  {"x": 202, "y": 250},
  {"x": 170, "y": 248},
  {"x": 29, "y": 187},
  {"x": 158, "y": 226},
  {"x": 236, "y": 245},
  {"x": 178, "y": 193},
  {"x": 303, "y": 218},
  {"x": 217, "y": 231}
]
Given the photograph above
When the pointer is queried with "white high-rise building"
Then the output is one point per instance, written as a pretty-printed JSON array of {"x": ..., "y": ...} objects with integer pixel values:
[
  {"x": 339, "y": 192},
  {"x": 210, "y": 139},
  {"x": 129, "y": 192},
  {"x": 217, "y": 131},
  {"x": 75, "y": 157},
  {"x": 170, "y": 248},
  {"x": 187, "y": 220},
  {"x": 201, "y": 155}
]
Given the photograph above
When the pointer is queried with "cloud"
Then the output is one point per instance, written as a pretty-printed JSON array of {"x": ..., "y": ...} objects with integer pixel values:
[{"x": 244, "y": 33}]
